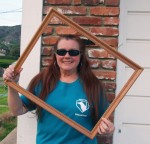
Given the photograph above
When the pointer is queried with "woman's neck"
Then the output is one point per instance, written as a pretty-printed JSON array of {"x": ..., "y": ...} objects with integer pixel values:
[{"x": 68, "y": 77}]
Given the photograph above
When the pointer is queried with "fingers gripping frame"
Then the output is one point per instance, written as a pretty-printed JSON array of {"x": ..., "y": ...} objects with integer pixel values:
[{"x": 137, "y": 71}]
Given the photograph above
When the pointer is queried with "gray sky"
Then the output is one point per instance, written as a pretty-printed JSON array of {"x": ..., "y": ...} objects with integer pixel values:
[{"x": 10, "y": 12}]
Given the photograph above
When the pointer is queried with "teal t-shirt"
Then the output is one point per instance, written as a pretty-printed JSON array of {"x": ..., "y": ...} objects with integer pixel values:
[{"x": 70, "y": 99}]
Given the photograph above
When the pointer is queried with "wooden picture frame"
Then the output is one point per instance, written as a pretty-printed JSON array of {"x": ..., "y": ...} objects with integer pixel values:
[{"x": 137, "y": 71}]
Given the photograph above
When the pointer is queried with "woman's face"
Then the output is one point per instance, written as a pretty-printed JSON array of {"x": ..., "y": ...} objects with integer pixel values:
[{"x": 66, "y": 62}]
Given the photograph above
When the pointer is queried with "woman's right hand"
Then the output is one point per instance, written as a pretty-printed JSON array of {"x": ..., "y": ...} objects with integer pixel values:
[{"x": 10, "y": 75}]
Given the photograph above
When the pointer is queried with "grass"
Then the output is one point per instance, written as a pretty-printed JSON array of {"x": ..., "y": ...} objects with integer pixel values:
[
  {"x": 3, "y": 110},
  {"x": 3, "y": 105},
  {"x": 7, "y": 121},
  {"x": 7, "y": 124},
  {"x": 3, "y": 90},
  {"x": 3, "y": 100}
]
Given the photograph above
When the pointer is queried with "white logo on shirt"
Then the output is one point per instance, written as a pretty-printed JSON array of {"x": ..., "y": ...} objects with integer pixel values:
[{"x": 82, "y": 105}]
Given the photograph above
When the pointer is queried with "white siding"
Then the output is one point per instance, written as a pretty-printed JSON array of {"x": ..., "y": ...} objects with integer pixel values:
[{"x": 132, "y": 117}]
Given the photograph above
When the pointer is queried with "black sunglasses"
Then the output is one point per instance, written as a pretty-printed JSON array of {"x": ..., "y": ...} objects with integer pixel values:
[{"x": 72, "y": 52}]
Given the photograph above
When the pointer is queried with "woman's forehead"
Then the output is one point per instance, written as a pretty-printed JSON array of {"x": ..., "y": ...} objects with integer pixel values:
[{"x": 68, "y": 43}]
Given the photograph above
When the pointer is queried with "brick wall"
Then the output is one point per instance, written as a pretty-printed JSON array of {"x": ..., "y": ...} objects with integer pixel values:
[{"x": 101, "y": 18}]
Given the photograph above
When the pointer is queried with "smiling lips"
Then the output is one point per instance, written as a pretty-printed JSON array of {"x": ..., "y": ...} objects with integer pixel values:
[{"x": 67, "y": 62}]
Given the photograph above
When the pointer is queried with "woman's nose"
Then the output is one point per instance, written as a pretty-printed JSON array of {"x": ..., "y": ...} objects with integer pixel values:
[{"x": 67, "y": 54}]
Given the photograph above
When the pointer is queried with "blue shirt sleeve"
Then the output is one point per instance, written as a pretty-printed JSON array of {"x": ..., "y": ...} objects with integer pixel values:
[{"x": 29, "y": 104}]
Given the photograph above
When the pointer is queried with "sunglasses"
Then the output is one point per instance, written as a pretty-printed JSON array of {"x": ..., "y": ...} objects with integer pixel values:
[{"x": 72, "y": 52}]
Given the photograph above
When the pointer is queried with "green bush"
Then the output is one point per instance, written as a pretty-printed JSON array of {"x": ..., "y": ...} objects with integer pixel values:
[
  {"x": 8, "y": 57},
  {"x": 4, "y": 63}
]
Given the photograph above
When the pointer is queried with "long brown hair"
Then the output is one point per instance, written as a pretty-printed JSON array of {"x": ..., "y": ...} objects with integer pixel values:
[{"x": 50, "y": 76}]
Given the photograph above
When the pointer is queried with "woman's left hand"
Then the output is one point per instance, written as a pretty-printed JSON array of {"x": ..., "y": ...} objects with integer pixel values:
[{"x": 106, "y": 127}]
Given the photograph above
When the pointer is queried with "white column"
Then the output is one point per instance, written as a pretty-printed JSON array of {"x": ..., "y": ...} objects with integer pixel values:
[{"x": 31, "y": 19}]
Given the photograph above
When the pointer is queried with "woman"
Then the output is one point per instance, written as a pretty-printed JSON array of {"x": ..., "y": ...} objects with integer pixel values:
[{"x": 68, "y": 85}]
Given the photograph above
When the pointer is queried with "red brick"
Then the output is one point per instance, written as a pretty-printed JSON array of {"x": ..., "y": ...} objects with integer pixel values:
[
  {"x": 101, "y": 1},
  {"x": 105, "y": 75},
  {"x": 88, "y": 20},
  {"x": 94, "y": 63},
  {"x": 46, "y": 9},
  {"x": 55, "y": 20},
  {"x": 110, "y": 96},
  {"x": 72, "y": 10},
  {"x": 49, "y": 40},
  {"x": 90, "y": 2},
  {"x": 112, "y": 2},
  {"x": 76, "y": 2},
  {"x": 105, "y": 31},
  {"x": 65, "y": 30},
  {"x": 47, "y": 51},
  {"x": 58, "y": 2},
  {"x": 99, "y": 53},
  {"x": 111, "y": 21},
  {"x": 111, "y": 41},
  {"x": 104, "y": 11},
  {"x": 48, "y": 30},
  {"x": 109, "y": 64},
  {"x": 46, "y": 61},
  {"x": 109, "y": 86}
]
